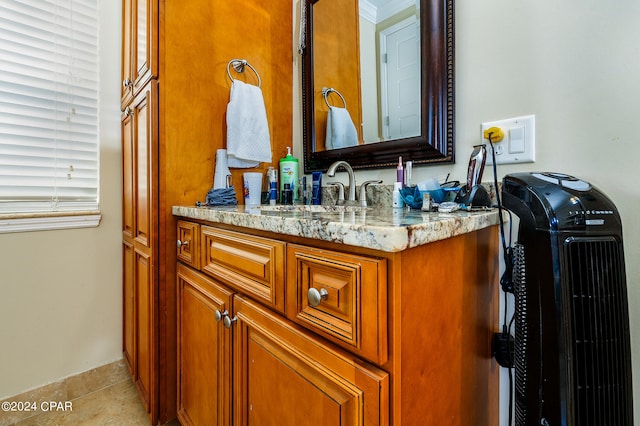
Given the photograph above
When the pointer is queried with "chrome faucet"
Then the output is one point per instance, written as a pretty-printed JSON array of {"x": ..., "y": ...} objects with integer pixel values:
[{"x": 331, "y": 172}]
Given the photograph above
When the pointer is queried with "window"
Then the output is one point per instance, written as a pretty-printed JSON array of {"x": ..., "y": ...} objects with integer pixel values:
[{"x": 49, "y": 108}]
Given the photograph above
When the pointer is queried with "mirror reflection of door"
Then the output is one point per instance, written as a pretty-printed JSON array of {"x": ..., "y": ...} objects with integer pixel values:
[
  {"x": 400, "y": 79},
  {"x": 390, "y": 63}
]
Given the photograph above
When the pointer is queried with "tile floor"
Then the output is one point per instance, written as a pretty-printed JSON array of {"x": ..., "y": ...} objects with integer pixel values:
[{"x": 105, "y": 396}]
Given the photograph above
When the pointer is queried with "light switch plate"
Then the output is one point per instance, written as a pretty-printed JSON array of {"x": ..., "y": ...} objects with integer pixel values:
[{"x": 518, "y": 145}]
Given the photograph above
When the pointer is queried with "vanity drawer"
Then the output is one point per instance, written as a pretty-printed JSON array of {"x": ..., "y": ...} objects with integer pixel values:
[
  {"x": 188, "y": 242},
  {"x": 252, "y": 265},
  {"x": 341, "y": 296}
]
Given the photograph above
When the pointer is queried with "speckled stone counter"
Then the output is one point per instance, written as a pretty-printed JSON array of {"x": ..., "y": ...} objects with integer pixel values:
[{"x": 384, "y": 229}]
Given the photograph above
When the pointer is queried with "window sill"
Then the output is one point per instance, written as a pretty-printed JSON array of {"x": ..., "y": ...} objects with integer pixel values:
[{"x": 26, "y": 222}]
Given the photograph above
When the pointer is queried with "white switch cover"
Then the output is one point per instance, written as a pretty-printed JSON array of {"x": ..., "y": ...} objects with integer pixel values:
[{"x": 518, "y": 145}]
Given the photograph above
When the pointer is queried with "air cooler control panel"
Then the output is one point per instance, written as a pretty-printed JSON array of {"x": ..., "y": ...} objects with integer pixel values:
[{"x": 567, "y": 181}]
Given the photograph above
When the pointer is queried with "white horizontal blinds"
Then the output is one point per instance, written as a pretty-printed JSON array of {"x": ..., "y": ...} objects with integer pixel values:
[{"x": 48, "y": 105}]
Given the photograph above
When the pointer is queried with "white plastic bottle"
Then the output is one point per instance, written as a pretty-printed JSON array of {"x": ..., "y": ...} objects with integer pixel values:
[{"x": 396, "y": 199}]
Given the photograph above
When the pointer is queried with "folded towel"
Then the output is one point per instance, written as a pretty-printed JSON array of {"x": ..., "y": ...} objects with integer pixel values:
[
  {"x": 248, "y": 141},
  {"x": 221, "y": 197},
  {"x": 341, "y": 132}
]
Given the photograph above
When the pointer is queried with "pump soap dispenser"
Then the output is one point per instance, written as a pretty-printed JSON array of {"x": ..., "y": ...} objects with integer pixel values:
[{"x": 289, "y": 174}]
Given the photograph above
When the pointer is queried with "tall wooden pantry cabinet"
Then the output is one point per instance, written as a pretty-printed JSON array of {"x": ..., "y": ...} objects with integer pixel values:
[{"x": 175, "y": 90}]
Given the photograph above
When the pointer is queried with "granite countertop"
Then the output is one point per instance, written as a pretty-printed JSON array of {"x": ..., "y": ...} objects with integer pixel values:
[{"x": 384, "y": 229}]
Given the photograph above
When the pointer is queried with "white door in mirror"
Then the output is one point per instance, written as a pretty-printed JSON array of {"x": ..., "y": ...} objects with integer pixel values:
[{"x": 400, "y": 78}]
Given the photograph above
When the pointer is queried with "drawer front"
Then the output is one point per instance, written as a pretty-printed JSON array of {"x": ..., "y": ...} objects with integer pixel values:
[
  {"x": 189, "y": 243},
  {"x": 341, "y": 296},
  {"x": 252, "y": 265}
]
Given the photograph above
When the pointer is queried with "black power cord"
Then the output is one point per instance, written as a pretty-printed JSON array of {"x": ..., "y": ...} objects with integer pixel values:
[{"x": 503, "y": 344}]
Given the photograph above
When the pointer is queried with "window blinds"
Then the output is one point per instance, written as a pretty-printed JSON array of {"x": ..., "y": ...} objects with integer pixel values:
[{"x": 48, "y": 106}]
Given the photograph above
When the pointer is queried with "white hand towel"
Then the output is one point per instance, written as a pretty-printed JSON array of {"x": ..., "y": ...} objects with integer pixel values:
[
  {"x": 248, "y": 140},
  {"x": 341, "y": 132}
]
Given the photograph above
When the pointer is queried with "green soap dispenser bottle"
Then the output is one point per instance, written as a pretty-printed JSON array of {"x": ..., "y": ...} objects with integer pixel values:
[{"x": 289, "y": 174}]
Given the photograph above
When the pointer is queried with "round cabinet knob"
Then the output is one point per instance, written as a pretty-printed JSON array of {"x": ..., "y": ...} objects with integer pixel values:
[
  {"x": 316, "y": 297},
  {"x": 229, "y": 321},
  {"x": 183, "y": 243},
  {"x": 220, "y": 315},
  {"x": 127, "y": 83}
]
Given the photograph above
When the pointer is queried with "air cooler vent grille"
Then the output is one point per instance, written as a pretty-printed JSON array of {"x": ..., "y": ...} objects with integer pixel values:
[
  {"x": 600, "y": 333},
  {"x": 521, "y": 333}
]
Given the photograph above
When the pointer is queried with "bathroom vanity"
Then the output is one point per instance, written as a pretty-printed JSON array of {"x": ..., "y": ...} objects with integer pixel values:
[{"x": 336, "y": 317}]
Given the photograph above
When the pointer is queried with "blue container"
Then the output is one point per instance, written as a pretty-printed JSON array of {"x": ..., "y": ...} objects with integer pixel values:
[{"x": 413, "y": 197}]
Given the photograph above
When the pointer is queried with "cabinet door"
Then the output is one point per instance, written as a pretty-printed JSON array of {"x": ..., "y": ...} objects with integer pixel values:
[
  {"x": 139, "y": 45},
  {"x": 145, "y": 166},
  {"x": 128, "y": 306},
  {"x": 145, "y": 297},
  {"x": 286, "y": 376},
  {"x": 127, "y": 45},
  {"x": 128, "y": 162},
  {"x": 129, "y": 320},
  {"x": 145, "y": 242},
  {"x": 140, "y": 242},
  {"x": 204, "y": 350}
]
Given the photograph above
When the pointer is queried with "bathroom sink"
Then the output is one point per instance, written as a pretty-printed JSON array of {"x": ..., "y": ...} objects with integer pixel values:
[{"x": 313, "y": 208}]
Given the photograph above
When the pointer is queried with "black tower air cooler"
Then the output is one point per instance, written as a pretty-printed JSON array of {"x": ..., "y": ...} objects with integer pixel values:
[{"x": 572, "y": 351}]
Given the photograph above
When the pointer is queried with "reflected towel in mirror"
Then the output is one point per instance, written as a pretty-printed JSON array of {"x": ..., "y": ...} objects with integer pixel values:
[
  {"x": 341, "y": 132},
  {"x": 248, "y": 140}
]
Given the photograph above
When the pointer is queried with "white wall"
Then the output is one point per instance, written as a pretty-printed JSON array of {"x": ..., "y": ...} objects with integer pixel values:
[
  {"x": 576, "y": 66},
  {"x": 61, "y": 291}
]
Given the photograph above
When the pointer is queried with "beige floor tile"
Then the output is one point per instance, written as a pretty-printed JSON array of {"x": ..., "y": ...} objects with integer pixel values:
[
  {"x": 52, "y": 392},
  {"x": 115, "y": 405},
  {"x": 103, "y": 396},
  {"x": 96, "y": 379}
]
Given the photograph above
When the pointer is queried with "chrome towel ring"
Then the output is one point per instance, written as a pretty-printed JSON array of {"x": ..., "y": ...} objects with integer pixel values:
[
  {"x": 238, "y": 66},
  {"x": 327, "y": 91}
]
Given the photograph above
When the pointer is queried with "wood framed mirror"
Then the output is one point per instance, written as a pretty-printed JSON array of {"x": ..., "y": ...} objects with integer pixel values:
[{"x": 358, "y": 52}]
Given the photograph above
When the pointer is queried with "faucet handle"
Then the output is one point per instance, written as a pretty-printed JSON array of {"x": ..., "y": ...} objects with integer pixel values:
[
  {"x": 340, "y": 186},
  {"x": 363, "y": 191}
]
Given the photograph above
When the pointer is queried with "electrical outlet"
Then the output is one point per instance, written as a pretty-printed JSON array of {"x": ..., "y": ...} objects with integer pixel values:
[{"x": 518, "y": 145}]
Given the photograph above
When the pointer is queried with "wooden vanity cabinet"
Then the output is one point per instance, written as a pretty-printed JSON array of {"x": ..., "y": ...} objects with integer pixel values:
[
  {"x": 281, "y": 373},
  {"x": 144, "y": 300},
  {"x": 396, "y": 338}
]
